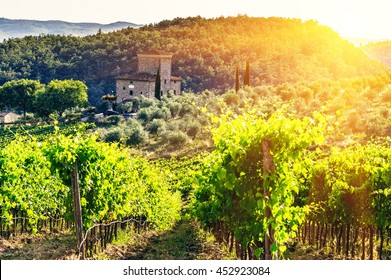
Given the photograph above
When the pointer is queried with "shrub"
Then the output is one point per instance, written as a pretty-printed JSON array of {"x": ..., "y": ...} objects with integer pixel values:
[
  {"x": 231, "y": 98},
  {"x": 135, "y": 104},
  {"x": 115, "y": 120},
  {"x": 113, "y": 135},
  {"x": 125, "y": 107},
  {"x": 156, "y": 126},
  {"x": 175, "y": 138},
  {"x": 135, "y": 136},
  {"x": 175, "y": 108},
  {"x": 146, "y": 102},
  {"x": 103, "y": 106},
  {"x": 144, "y": 115},
  {"x": 187, "y": 108},
  {"x": 160, "y": 113},
  {"x": 132, "y": 122},
  {"x": 177, "y": 125},
  {"x": 386, "y": 95},
  {"x": 193, "y": 129}
]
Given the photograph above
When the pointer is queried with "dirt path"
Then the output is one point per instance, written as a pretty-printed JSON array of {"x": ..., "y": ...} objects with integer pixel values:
[
  {"x": 54, "y": 246},
  {"x": 184, "y": 242}
]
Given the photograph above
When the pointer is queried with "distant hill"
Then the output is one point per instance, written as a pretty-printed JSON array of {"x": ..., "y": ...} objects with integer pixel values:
[
  {"x": 380, "y": 51},
  {"x": 359, "y": 42},
  {"x": 11, "y": 28}
]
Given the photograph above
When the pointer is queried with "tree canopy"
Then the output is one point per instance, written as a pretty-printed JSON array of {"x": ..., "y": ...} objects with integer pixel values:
[
  {"x": 61, "y": 95},
  {"x": 206, "y": 52},
  {"x": 19, "y": 94}
]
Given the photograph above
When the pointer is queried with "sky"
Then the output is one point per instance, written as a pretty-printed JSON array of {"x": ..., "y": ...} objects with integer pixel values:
[{"x": 350, "y": 18}]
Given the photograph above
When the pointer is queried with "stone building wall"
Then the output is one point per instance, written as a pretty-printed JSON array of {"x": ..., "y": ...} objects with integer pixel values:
[
  {"x": 149, "y": 64},
  {"x": 143, "y": 81},
  {"x": 145, "y": 88},
  {"x": 176, "y": 87}
]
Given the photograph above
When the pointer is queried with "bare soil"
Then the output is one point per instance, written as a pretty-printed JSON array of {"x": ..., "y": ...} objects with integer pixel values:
[{"x": 186, "y": 241}]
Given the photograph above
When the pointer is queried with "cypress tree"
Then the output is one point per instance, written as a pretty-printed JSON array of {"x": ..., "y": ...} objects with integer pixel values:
[
  {"x": 247, "y": 75},
  {"x": 237, "y": 79},
  {"x": 158, "y": 84}
]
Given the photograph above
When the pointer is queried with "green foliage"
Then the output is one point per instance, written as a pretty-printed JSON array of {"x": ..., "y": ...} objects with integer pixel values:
[
  {"x": 350, "y": 186},
  {"x": 144, "y": 114},
  {"x": 237, "y": 85},
  {"x": 231, "y": 99},
  {"x": 61, "y": 95},
  {"x": 157, "y": 125},
  {"x": 246, "y": 79},
  {"x": 36, "y": 183},
  {"x": 161, "y": 113},
  {"x": 146, "y": 102},
  {"x": 234, "y": 190},
  {"x": 28, "y": 187},
  {"x": 20, "y": 94},
  {"x": 158, "y": 85},
  {"x": 175, "y": 108},
  {"x": 296, "y": 51},
  {"x": 386, "y": 95},
  {"x": 193, "y": 129},
  {"x": 115, "y": 120},
  {"x": 175, "y": 138},
  {"x": 135, "y": 136},
  {"x": 114, "y": 135},
  {"x": 103, "y": 106}
]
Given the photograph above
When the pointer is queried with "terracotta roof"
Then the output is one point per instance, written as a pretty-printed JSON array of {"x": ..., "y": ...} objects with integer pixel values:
[
  {"x": 138, "y": 77},
  {"x": 155, "y": 52},
  {"x": 3, "y": 113},
  {"x": 173, "y": 78}
]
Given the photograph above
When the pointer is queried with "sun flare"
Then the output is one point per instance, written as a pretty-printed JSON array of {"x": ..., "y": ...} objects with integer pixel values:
[{"x": 354, "y": 19}]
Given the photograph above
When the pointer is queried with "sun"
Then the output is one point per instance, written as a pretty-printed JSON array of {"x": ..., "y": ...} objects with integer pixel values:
[{"x": 355, "y": 19}]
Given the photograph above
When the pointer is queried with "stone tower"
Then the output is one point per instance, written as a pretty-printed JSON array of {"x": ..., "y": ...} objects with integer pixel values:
[
  {"x": 148, "y": 62},
  {"x": 143, "y": 81}
]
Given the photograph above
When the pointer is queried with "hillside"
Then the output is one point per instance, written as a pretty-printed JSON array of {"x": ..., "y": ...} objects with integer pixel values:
[
  {"x": 10, "y": 28},
  {"x": 206, "y": 52},
  {"x": 380, "y": 51}
]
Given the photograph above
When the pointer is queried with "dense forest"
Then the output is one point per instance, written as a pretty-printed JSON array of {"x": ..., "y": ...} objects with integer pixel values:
[{"x": 206, "y": 53}]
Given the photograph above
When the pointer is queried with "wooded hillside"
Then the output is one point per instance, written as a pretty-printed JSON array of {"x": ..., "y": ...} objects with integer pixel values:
[{"x": 206, "y": 52}]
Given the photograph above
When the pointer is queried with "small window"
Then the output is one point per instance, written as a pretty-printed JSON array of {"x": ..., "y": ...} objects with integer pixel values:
[
  {"x": 161, "y": 93},
  {"x": 174, "y": 92},
  {"x": 165, "y": 82},
  {"x": 141, "y": 92},
  {"x": 131, "y": 92},
  {"x": 131, "y": 82},
  {"x": 124, "y": 88},
  {"x": 174, "y": 82}
]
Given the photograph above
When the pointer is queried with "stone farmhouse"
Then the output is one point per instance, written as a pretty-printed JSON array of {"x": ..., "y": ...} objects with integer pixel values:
[
  {"x": 142, "y": 83},
  {"x": 8, "y": 117}
]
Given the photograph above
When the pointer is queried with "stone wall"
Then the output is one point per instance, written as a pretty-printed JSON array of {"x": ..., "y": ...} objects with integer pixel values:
[
  {"x": 148, "y": 63},
  {"x": 124, "y": 92},
  {"x": 176, "y": 87}
]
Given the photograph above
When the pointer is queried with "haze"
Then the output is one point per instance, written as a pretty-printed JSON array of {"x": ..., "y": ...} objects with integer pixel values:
[{"x": 351, "y": 18}]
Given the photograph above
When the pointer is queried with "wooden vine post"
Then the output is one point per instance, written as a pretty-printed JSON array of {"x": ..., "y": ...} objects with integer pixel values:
[
  {"x": 268, "y": 169},
  {"x": 77, "y": 211}
]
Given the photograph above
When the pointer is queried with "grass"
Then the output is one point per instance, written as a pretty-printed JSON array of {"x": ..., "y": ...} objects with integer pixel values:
[
  {"x": 45, "y": 246},
  {"x": 186, "y": 241}
]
